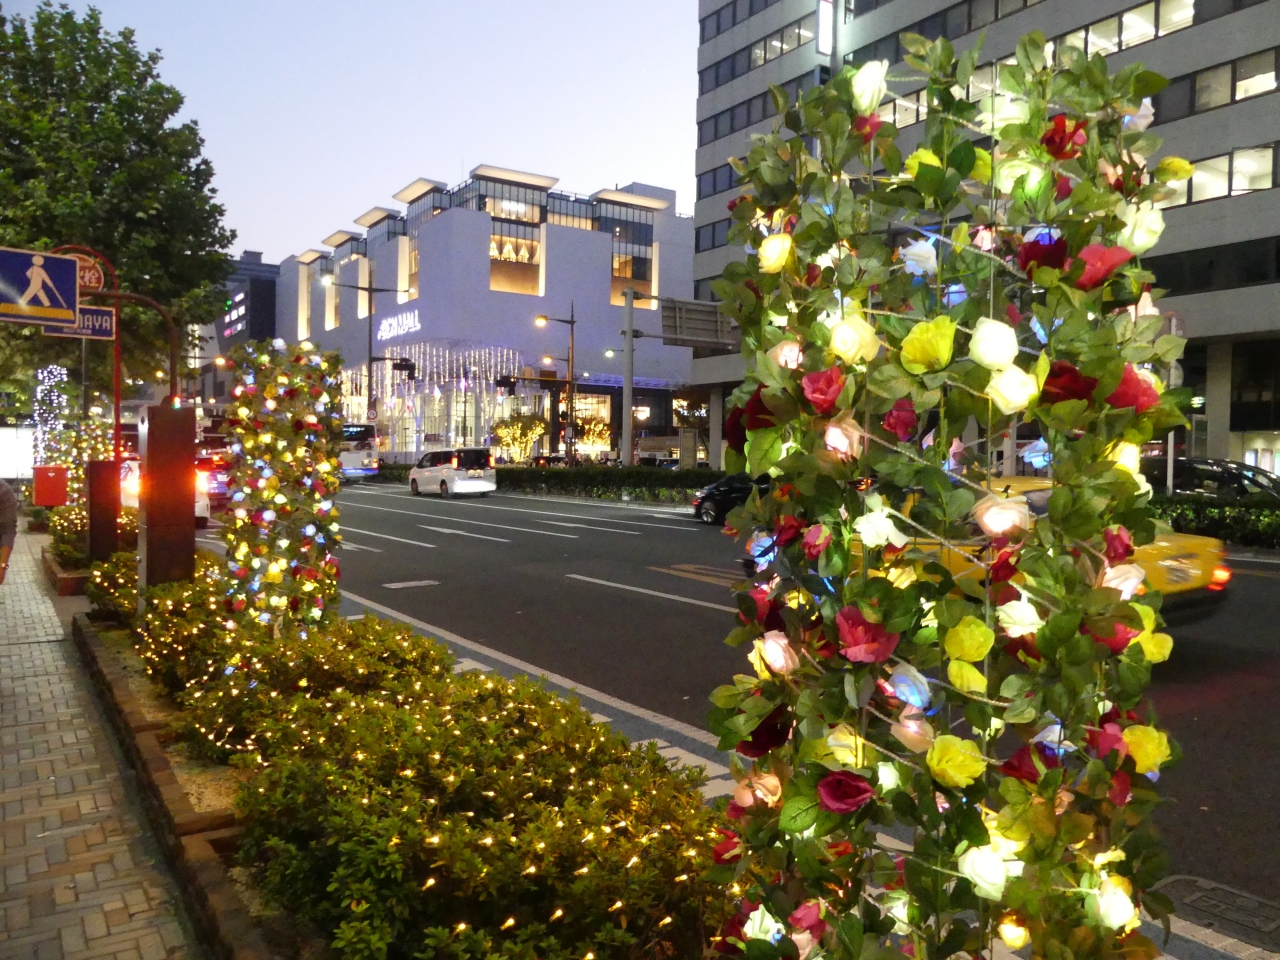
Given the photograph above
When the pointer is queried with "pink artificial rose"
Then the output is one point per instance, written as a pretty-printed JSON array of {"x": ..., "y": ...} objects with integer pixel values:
[
  {"x": 844, "y": 792},
  {"x": 788, "y": 531},
  {"x": 1134, "y": 391},
  {"x": 1119, "y": 544},
  {"x": 816, "y": 539},
  {"x": 1099, "y": 263},
  {"x": 822, "y": 389},
  {"x": 808, "y": 916},
  {"x": 902, "y": 420},
  {"x": 862, "y": 641}
]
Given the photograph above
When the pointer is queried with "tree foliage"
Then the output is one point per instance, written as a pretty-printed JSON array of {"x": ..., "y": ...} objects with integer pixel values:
[
  {"x": 519, "y": 432},
  {"x": 91, "y": 154}
]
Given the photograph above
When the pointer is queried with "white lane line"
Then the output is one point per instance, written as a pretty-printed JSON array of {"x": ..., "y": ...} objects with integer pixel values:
[
  {"x": 405, "y": 584},
  {"x": 652, "y": 593},
  {"x": 463, "y": 533},
  {"x": 478, "y": 523},
  {"x": 633, "y": 506},
  {"x": 587, "y": 526},
  {"x": 667, "y": 723},
  {"x": 542, "y": 513},
  {"x": 385, "y": 536},
  {"x": 465, "y": 664},
  {"x": 600, "y": 718},
  {"x": 356, "y": 616},
  {"x": 356, "y": 546}
]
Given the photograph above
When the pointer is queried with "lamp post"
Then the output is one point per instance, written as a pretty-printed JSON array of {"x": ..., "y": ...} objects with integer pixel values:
[
  {"x": 570, "y": 444},
  {"x": 629, "y": 335},
  {"x": 328, "y": 280}
]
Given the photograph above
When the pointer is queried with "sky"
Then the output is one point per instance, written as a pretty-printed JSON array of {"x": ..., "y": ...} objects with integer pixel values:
[{"x": 313, "y": 111}]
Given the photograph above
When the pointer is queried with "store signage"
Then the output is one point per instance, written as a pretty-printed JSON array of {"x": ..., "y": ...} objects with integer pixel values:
[{"x": 399, "y": 325}]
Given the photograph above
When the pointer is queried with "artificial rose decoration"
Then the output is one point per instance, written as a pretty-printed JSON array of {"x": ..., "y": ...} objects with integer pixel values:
[
  {"x": 981, "y": 165},
  {"x": 910, "y": 686},
  {"x": 920, "y": 258},
  {"x": 1156, "y": 647},
  {"x": 844, "y": 792},
  {"x": 1006, "y": 110},
  {"x": 868, "y": 87},
  {"x": 728, "y": 850},
  {"x": 1119, "y": 544},
  {"x": 1148, "y": 746},
  {"x": 877, "y": 529},
  {"x": 816, "y": 539},
  {"x": 921, "y": 157},
  {"x": 772, "y": 732},
  {"x": 1000, "y": 516},
  {"x": 986, "y": 870},
  {"x": 1022, "y": 765},
  {"x": 1043, "y": 251},
  {"x": 1173, "y": 169},
  {"x": 1064, "y": 138},
  {"x": 1063, "y": 189},
  {"x": 788, "y": 354},
  {"x": 778, "y": 652},
  {"x": 844, "y": 437},
  {"x": 788, "y": 530},
  {"x": 1115, "y": 904},
  {"x": 847, "y": 747},
  {"x": 853, "y": 340},
  {"x": 912, "y": 730},
  {"x": 1018, "y": 618},
  {"x": 966, "y": 678},
  {"x": 954, "y": 762},
  {"x": 862, "y": 641},
  {"x": 993, "y": 345},
  {"x": 867, "y": 127},
  {"x": 775, "y": 251},
  {"x": 1100, "y": 262},
  {"x": 762, "y": 925},
  {"x": 902, "y": 420},
  {"x": 1143, "y": 226},
  {"x": 1065, "y": 382},
  {"x": 756, "y": 415},
  {"x": 1012, "y": 390},
  {"x": 1134, "y": 391},
  {"x": 1009, "y": 173},
  {"x": 808, "y": 917},
  {"x": 1126, "y": 578},
  {"x": 822, "y": 389},
  {"x": 970, "y": 639},
  {"x": 928, "y": 345}
]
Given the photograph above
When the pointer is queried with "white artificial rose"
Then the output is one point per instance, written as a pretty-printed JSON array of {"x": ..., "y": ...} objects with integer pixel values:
[
  {"x": 1009, "y": 172},
  {"x": 869, "y": 86},
  {"x": 762, "y": 925},
  {"x": 1018, "y": 618},
  {"x": 1143, "y": 226},
  {"x": 854, "y": 339},
  {"x": 1012, "y": 389},
  {"x": 913, "y": 731},
  {"x": 778, "y": 653},
  {"x": 910, "y": 685},
  {"x": 788, "y": 354},
  {"x": 986, "y": 870},
  {"x": 994, "y": 344},
  {"x": 844, "y": 438},
  {"x": 1007, "y": 110},
  {"x": 1127, "y": 578},
  {"x": 999, "y": 516},
  {"x": 920, "y": 258},
  {"x": 1115, "y": 906},
  {"x": 877, "y": 529}
]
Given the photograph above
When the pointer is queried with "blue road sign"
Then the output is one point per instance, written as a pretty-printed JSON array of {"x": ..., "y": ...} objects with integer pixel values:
[
  {"x": 39, "y": 287},
  {"x": 96, "y": 323}
]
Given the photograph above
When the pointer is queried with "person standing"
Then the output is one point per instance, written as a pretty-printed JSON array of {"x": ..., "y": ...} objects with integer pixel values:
[{"x": 8, "y": 526}]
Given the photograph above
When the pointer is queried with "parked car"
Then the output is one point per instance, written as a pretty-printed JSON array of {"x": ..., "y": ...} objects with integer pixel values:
[
  {"x": 1218, "y": 479},
  {"x": 712, "y": 504},
  {"x": 131, "y": 486},
  {"x": 450, "y": 472}
]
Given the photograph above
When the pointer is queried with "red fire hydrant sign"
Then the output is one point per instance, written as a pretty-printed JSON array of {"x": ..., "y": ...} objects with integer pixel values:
[{"x": 50, "y": 487}]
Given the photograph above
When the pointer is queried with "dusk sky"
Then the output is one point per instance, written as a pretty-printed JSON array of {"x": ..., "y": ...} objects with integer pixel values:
[{"x": 313, "y": 111}]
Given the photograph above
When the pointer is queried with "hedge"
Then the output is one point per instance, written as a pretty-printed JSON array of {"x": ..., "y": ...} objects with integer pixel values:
[
  {"x": 1243, "y": 524},
  {"x": 647, "y": 484},
  {"x": 69, "y": 533},
  {"x": 411, "y": 812}
]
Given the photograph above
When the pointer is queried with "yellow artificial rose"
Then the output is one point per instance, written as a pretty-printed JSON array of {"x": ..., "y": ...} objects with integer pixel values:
[
  {"x": 981, "y": 165},
  {"x": 1144, "y": 224},
  {"x": 1009, "y": 172},
  {"x": 1148, "y": 746},
  {"x": 854, "y": 339},
  {"x": 1127, "y": 456},
  {"x": 848, "y": 748},
  {"x": 970, "y": 639},
  {"x": 1012, "y": 389},
  {"x": 922, "y": 155},
  {"x": 1171, "y": 169},
  {"x": 954, "y": 762},
  {"x": 966, "y": 678},
  {"x": 1156, "y": 647},
  {"x": 1115, "y": 903},
  {"x": 929, "y": 345},
  {"x": 775, "y": 251}
]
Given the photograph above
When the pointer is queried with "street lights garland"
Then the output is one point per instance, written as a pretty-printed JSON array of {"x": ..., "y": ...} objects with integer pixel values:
[{"x": 328, "y": 281}]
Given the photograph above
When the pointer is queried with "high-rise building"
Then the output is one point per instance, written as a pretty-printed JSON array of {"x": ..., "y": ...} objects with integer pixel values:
[{"x": 1219, "y": 257}]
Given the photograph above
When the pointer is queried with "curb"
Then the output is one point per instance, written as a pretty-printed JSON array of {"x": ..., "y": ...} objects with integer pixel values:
[
  {"x": 198, "y": 846},
  {"x": 64, "y": 583}
]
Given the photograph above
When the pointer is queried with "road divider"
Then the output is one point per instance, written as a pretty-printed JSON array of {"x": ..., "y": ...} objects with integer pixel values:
[{"x": 652, "y": 593}]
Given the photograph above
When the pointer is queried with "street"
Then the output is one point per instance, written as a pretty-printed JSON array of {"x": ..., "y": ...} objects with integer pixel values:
[{"x": 634, "y": 603}]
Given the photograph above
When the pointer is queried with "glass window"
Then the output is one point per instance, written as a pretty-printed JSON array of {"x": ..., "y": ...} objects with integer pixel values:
[
  {"x": 957, "y": 21},
  {"x": 907, "y": 112},
  {"x": 1210, "y": 180},
  {"x": 757, "y": 54},
  {"x": 931, "y": 28},
  {"x": 1211, "y": 9},
  {"x": 741, "y": 116},
  {"x": 1179, "y": 197},
  {"x": 1213, "y": 87},
  {"x": 1073, "y": 39},
  {"x": 981, "y": 13},
  {"x": 885, "y": 113},
  {"x": 1252, "y": 169},
  {"x": 1250, "y": 263},
  {"x": 1138, "y": 25},
  {"x": 887, "y": 49},
  {"x": 790, "y": 37},
  {"x": 1174, "y": 101},
  {"x": 1176, "y": 15},
  {"x": 1010, "y": 6},
  {"x": 1255, "y": 74},
  {"x": 807, "y": 28},
  {"x": 1104, "y": 37}
]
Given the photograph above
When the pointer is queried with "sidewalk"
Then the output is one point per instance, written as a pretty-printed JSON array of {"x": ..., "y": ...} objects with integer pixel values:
[{"x": 80, "y": 879}]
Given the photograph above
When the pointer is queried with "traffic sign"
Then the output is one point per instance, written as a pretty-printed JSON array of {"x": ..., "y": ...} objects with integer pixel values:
[
  {"x": 372, "y": 414},
  {"x": 38, "y": 287},
  {"x": 96, "y": 323}
]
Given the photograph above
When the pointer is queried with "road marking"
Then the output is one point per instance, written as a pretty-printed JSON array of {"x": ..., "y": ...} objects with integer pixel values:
[
  {"x": 478, "y": 523},
  {"x": 356, "y": 616},
  {"x": 542, "y": 513},
  {"x": 587, "y": 526},
  {"x": 463, "y": 533},
  {"x": 693, "y": 571},
  {"x": 1231, "y": 559},
  {"x": 653, "y": 593},
  {"x": 1270, "y": 574},
  {"x": 386, "y": 536},
  {"x": 601, "y": 718},
  {"x": 357, "y": 547},
  {"x": 465, "y": 664},
  {"x": 405, "y": 584},
  {"x": 683, "y": 758},
  {"x": 667, "y": 723}
]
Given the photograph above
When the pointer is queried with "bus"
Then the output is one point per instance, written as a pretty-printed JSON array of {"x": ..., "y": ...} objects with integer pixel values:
[{"x": 359, "y": 456}]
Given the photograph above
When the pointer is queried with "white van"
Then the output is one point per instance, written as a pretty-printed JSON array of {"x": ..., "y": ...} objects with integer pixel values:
[{"x": 448, "y": 472}]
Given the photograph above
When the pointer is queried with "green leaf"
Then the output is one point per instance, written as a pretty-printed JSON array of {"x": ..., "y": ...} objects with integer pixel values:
[
  {"x": 1148, "y": 83},
  {"x": 799, "y": 813}
]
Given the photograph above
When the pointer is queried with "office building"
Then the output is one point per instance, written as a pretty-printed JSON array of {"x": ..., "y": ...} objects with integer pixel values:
[
  {"x": 250, "y": 314},
  {"x": 1219, "y": 257}
]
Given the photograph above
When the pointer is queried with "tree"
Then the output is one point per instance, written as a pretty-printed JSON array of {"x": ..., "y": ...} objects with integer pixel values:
[
  {"x": 594, "y": 433},
  {"x": 519, "y": 432},
  {"x": 90, "y": 154}
]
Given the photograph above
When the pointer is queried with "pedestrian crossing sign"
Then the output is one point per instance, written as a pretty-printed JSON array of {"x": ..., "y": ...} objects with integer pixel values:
[{"x": 38, "y": 287}]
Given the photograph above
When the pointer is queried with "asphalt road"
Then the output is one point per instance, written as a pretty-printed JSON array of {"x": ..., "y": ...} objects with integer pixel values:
[{"x": 635, "y": 603}]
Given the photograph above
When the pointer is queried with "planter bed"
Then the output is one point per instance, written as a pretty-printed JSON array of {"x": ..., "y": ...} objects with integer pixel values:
[{"x": 66, "y": 583}]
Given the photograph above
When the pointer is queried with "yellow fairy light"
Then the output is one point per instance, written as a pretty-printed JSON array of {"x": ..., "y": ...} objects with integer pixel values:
[
  {"x": 1013, "y": 933},
  {"x": 557, "y": 914},
  {"x": 509, "y": 923}
]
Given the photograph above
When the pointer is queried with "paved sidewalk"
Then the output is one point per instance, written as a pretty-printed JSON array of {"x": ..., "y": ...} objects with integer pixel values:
[{"x": 79, "y": 877}]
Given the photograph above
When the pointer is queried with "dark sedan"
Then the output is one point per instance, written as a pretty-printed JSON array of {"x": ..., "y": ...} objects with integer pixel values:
[{"x": 712, "y": 504}]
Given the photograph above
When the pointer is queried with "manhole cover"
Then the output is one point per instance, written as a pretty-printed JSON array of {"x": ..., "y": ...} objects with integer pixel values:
[{"x": 1229, "y": 911}]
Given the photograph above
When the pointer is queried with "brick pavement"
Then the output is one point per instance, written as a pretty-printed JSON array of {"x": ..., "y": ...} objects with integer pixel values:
[{"x": 79, "y": 877}]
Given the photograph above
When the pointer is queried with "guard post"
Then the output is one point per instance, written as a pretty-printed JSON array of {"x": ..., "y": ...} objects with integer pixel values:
[
  {"x": 166, "y": 518},
  {"x": 103, "y": 481}
]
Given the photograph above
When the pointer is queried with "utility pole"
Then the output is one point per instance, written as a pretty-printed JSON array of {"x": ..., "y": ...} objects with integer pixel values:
[
  {"x": 570, "y": 441},
  {"x": 626, "y": 447}
]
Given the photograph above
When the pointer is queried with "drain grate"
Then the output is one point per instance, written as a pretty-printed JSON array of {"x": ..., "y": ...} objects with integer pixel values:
[{"x": 1227, "y": 910}]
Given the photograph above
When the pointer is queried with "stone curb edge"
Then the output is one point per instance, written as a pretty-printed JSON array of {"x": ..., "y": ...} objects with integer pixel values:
[{"x": 196, "y": 845}]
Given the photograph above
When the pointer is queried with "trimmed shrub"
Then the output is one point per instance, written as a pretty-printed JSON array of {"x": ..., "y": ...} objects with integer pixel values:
[
  {"x": 391, "y": 473},
  {"x": 1244, "y": 524},
  {"x": 181, "y": 636},
  {"x": 69, "y": 532},
  {"x": 112, "y": 587},
  {"x": 646, "y": 484}
]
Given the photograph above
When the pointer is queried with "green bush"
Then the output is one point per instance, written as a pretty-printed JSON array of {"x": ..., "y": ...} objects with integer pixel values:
[
  {"x": 1244, "y": 524},
  {"x": 391, "y": 473},
  {"x": 112, "y": 587},
  {"x": 489, "y": 819},
  {"x": 69, "y": 532},
  {"x": 647, "y": 484},
  {"x": 181, "y": 636}
]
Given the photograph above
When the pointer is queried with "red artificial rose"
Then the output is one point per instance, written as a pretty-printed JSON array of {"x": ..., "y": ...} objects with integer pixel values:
[
  {"x": 733, "y": 927},
  {"x": 862, "y": 641},
  {"x": 808, "y": 916},
  {"x": 1004, "y": 567},
  {"x": 728, "y": 850},
  {"x": 771, "y": 733},
  {"x": 1062, "y": 189},
  {"x": 1042, "y": 252},
  {"x": 757, "y": 416},
  {"x": 1023, "y": 648},
  {"x": 841, "y": 848},
  {"x": 1022, "y": 766},
  {"x": 901, "y": 421},
  {"x": 768, "y": 612},
  {"x": 734, "y": 811},
  {"x": 867, "y": 126},
  {"x": 816, "y": 539},
  {"x": 1119, "y": 544},
  {"x": 1117, "y": 640},
  {"x": 1015, "y": 316},
  {"x": 844, "y": 792},
  {"x": 1100, "y": 262},
  {"x": 1064, "y": 142},
  {"x": 732, "y": 204},
  {"x": 1106, "y": 738},
  {"x": 812, "y": 275},
  {"x": 822, "y": 389},
  {"x": 1065, "y": 382},
  {"x": 899, "y": 880},
  {"x": 788, "y": 530},
  {"x": 1134, "y": 391},
  {"x": 1121, "y": 791}
]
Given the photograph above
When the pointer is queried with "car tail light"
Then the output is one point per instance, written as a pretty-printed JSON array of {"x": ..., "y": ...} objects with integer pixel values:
[
  {"x": 491, "y": 461},
  {"x": 454, "y": 463},
  {"x": 1221, "y": 577},
  {"x": 202, "y": 481}
]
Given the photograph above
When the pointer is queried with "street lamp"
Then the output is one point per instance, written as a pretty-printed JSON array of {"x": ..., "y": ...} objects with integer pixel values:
[
  {"x": 571, "y": 323},
  {"x": 329, "y": 280},
  {"x": 629, "y": 295}
]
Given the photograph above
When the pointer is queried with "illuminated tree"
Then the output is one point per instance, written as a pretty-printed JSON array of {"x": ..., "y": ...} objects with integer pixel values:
[
  {"x": 82, "y": 440},
  {"x": 282, "y": 530},
  {"x": 50, "y": 409},
  {"x": 594, "y": 433},
  {"x": 519, "y": 433}
]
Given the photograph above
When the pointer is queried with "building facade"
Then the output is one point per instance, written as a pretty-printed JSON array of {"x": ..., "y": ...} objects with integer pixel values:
[
  {"x": 451, "y": 282},
  {"x": 250, "y": 315},
  {"x": 1219, "y": 257}
]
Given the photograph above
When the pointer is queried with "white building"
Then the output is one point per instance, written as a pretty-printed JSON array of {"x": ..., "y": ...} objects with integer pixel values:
[
  {"x": 1220, "y": 254},
  {"x": 459, "y": 278}
]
